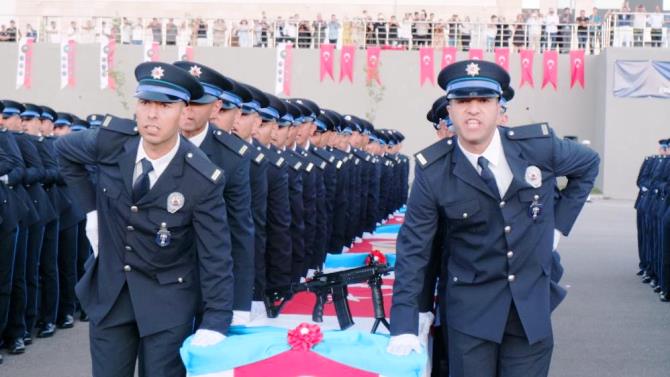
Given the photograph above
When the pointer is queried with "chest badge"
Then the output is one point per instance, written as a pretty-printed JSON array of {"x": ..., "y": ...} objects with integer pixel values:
[
  {"x": 534, "y": 176},
  {"x": 175, "y": 202},
  {"x": 163, "y": 236}
]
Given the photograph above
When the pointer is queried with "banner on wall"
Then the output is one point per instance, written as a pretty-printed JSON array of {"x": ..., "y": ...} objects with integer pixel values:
[
  {"x": 283, "y": 69},
  {"x": 107, "y": 52},
  {"x": 347, "y": 62},
  {"x": 427, "y": 72},
  {"x": 24, "y": 65},
  {"x": 642, "y": 79},
  {"x": 326, "y": 59}
]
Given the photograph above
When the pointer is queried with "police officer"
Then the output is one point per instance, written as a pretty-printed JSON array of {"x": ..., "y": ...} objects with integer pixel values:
[
  {"x": 160, "y": 234},
  {"x": 230, "y": 154},
  {"x": 278, "y": 246},
  {"x": 244, "y": 126},
  {"x": 497, "y": 195}
]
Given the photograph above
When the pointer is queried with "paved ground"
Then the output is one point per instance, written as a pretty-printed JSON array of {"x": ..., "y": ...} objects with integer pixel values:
[{"x": 609, "y": 325}]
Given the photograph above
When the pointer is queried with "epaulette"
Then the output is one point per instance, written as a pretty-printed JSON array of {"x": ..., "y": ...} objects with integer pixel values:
[
  {"x": 434, "y": 152},
  {"x": 293, "y": 160},
  {"x": 363, "y": 155},
  {"x": 324, "y": 155},
  {"x": 311, "y": 161},
  {"x": 120, "y": 125},
  {"x": 232, "y": 142},
  {"x": 275, "y": 158},
  {"x": 197, "y": 159},
  {"x": 257, "y": 156},
  {"x": 530, "y": 131},
  {"x": 317, "y": 161}
]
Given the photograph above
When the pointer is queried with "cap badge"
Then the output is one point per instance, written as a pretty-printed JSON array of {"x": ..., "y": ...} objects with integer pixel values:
[
  {"x": 195, "y": 71},
  {"x": 157, "y": 73},
  {"x": 472, "y": 69}
]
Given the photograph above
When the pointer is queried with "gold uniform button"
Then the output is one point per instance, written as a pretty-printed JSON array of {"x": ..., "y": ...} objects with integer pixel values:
[
  {"x": 508, "y": 229},
  {"x": 134, "y": 209},
  {"x": 511, "y": 278},
  {"x": 127, "y": 268}
]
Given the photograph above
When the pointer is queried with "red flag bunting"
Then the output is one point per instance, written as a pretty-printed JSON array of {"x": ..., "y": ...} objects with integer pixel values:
[
  {"x": 502, "y": 57},
  {"x": 347, "y": 62},
  {"x": 550, "y": 72},
  {"x": 24, "y": 65},
  {"x": 327, "y": 54},
  {"x": 373, "y": 64},
  {"x": 526, "y": 57},
  {"x": 577, "y": 68},
  {"x": 448, "y": 56},
  {"x": 283, "y": 69},
  {"x": 151, "y": 52},
  {"x": 426, "y": 55},
  {"x": 71, "y": 58},
  {"x": 476, "y": 54}
]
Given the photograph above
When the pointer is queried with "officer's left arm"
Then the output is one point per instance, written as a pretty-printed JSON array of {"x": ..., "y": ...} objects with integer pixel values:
[
  {"x": 579, "y": 164},
  {"x": 214, "y": 259}
]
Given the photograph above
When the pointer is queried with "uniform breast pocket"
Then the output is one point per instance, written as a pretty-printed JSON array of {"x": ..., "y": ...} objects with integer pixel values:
[
  {"x": 538, "y": 203},
  {"x": 464, "y": 214}
]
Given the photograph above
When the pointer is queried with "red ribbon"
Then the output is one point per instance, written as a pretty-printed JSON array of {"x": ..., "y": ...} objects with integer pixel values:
[
  {"x": 347, "y": 62},
  {"x": 448, "y": 56},
  {"x": 327, "y": 57},
  {"x": 577, "y": 68},
  {"x": 550, "y": 73},
  {"x": 426, "y": 55},
  {"x": 526, "y": 57},
  {"x": 373, "y": 64},
  {"x": 502, "y": 57},
  {"x": 304, "y": 337}
]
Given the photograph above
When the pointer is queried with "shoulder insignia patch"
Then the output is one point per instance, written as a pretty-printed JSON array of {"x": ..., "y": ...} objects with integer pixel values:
[
  {"x": 204, "y": 166},
  {"x": 434, "y": 152},
  {"x": 529, "y": 131},
  {"x": 120, "y": 125}
]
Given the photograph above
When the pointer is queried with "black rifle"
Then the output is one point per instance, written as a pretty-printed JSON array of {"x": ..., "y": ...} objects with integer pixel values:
[{"x": 334, "y": 284}]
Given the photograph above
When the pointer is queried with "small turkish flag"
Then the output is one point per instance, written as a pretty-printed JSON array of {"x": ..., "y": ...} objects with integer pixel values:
[
  {"x": 526, "y": 57},
  {"x": 347, "y": 62},
  {"x": 373, "y": 64},
  {"x": 476, "y": 54},
  {"x": 550, "y": 73},
  {"x": 502, "y": 57},
  {"x": 427, "y": 65},
  {"x": 448, "y": 56},
  {"x": 577, "y": 68},
  {"x": 326, "y": 56}
]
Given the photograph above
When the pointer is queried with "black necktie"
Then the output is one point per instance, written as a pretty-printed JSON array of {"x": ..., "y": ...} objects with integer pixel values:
[
  {"x": 487, "y": 176},
  {"x": 142, "y": 184}
]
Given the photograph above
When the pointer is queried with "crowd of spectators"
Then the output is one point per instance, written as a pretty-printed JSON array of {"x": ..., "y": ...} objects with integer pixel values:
[{"x": 556, "y": 29}]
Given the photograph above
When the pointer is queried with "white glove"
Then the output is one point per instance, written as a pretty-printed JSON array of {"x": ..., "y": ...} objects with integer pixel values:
[
  {"x": 4, "y": 179},
  {"x": 425, "y": 322},
  {"x": 206, "y": 338},
  {"x": 403, "y": 345},
  {"x": 557, "y": 238},
  {"x": 92, "y": 231},
  {"x": 240, "y": 318},
  {"x": 258, "y": 310}
]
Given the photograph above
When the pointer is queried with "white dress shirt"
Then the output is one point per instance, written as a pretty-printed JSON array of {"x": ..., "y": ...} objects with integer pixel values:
[
  {"x": 497, "y": 162},
  {"x": 199, "y": 138},
  {"x": 159, "y": 164}
]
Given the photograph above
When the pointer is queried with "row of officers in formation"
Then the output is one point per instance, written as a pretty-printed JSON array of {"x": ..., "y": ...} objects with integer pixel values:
[
  {"x": 653, "y": 221},
  {"x": 297, "y": 181}
]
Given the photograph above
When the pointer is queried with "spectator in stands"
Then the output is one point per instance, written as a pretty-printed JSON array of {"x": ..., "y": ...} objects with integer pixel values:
[
  {"x": 126, "y": 31},
  {"x": 405, "y": 30},
  {"x": 439, "y": 33},
  {"x": 304, "y": 34},
  {"x": 624, "y": 27},
  {"x": 72, "y": 32},
  {"x": 519, "y": 40},
  {"x": 137, "y": 36},
  {"x": 171, "y": 31},
  {"x": 454, "y": 25},
  {"x": 53, "y": 34},
  {"x": 656, "y": 24},
  {"x": 219, "y": 33},
  {"x": 12, "y": 32},
  {"x": 422, "y": 32},
  {"x": 466, "y": 34},
  {"x": 291, "y": 29},
  {"x": 551, "y": 21},
  {"x": 333, "y": 29},
  {"x": 491, "y": 32},
  {"x": 565, "y": 30},
  {"x": 244, "y": 34},
  {"x": 639, "y": 23},
  {"x": 185, "y": 35},
  {"x": 319, "y": 27},
  {"x": 265, "y": 30},
  {"x": 595, "y": 28},
  {"x": 86, "y": 33},
  {"x": 582, "y": 29},
  {"x": 3, "y": 33},
  {"x": 534, "y": 29},
  {"x": 201, "y": 33},
  {"x": 431, "y": 28},
  {"x": 31, "y": 33},
  {"x": 156, "y": 30}
]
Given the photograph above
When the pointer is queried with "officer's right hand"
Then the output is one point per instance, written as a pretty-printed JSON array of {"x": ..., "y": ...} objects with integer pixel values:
[
  {"x": 92, "y": 231},
  {"x": 403, "y": 345}
]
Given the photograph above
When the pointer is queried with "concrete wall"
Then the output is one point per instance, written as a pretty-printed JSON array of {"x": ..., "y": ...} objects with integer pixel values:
[{"x": 590, "y": 113}]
